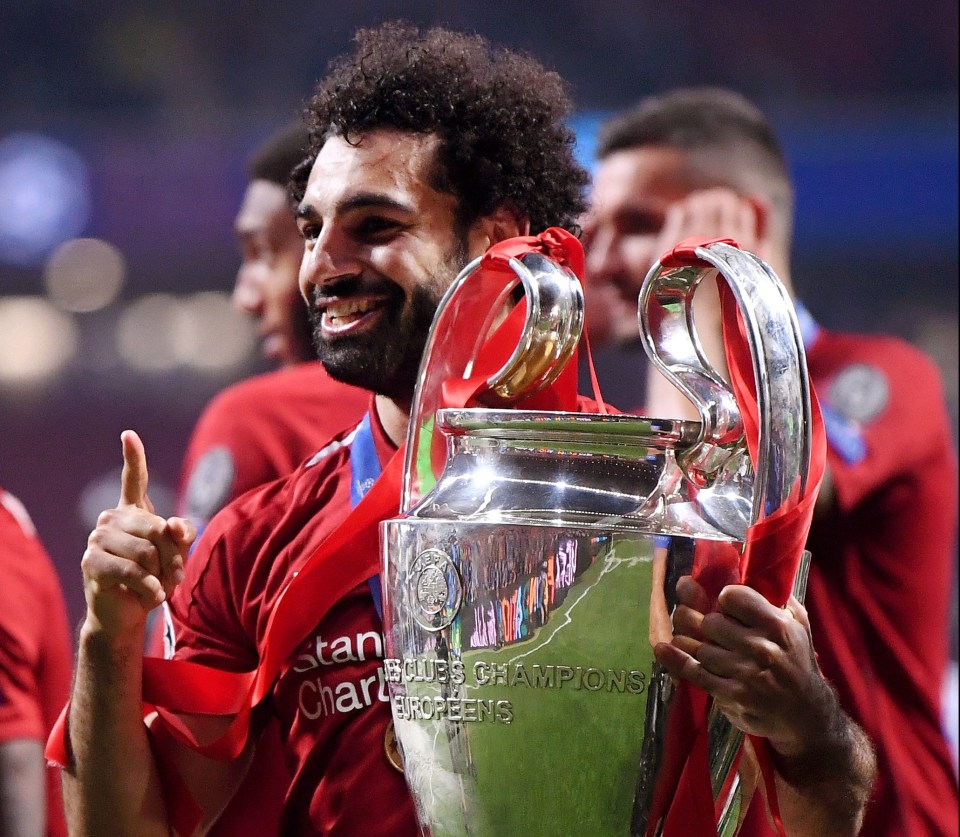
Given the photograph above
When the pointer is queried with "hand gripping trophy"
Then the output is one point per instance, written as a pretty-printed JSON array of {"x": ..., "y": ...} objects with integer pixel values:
[{"x": 518, "y": 580}]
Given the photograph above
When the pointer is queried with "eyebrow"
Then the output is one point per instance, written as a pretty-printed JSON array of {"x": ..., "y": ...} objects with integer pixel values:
[{"x": 361, "y": 200}]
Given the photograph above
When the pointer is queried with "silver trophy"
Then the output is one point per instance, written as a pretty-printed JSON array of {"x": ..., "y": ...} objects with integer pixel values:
[{"x": 524, "y": 573}]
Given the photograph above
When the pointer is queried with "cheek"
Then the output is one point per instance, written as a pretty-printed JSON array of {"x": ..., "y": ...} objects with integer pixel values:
[{"x": 640, "y": 252}]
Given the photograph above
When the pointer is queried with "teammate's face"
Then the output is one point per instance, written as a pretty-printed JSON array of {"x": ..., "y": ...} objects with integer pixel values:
[
  {"x": 380, "y": 250},
  {"x": 266, "y": 286},
  {"x": 632, "y": 192}
]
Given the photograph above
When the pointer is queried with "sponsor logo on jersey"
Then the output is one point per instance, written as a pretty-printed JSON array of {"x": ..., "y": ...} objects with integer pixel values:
[{"x": 319, "y": 695}]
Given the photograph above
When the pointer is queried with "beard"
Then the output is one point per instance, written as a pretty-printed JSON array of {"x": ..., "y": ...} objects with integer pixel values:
[{"x": 386, "y": 360}]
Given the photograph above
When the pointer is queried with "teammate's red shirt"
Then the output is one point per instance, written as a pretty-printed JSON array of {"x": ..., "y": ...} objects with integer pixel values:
[
  {"x": 260, "y": 429},
  {"x": 881, "y": 574},
  {"x": 35, "y": 649},
  {"x": 330, "y": 698},
  {"x": 880, "y": 579}
]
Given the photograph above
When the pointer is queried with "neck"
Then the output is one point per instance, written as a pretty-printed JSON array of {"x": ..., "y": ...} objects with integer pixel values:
[{"x": 394, "y": 416}]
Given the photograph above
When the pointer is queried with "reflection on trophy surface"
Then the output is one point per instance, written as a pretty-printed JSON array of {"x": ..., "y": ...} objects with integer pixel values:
[{"x": 526, "y": 580}]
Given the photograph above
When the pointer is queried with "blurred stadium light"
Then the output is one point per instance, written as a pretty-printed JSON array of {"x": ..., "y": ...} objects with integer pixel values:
[{"x": 44, "y": 196}]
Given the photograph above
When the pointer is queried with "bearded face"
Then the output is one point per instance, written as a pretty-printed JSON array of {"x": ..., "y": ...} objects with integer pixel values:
[{"x": 377, "y": 345}]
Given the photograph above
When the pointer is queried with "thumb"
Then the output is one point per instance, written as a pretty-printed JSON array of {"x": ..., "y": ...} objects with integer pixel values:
[
  {"x": 133, "y": 478},
  {"x": 183, "y": 532}
]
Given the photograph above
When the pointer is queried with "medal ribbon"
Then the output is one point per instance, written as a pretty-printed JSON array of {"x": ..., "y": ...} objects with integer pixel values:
[
  {"x": 683, "y": 796},
  {"x": 348, "y": 557}
]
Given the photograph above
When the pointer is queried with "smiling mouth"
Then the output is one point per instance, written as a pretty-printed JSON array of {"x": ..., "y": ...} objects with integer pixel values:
[{"x": 348, "y": 315}]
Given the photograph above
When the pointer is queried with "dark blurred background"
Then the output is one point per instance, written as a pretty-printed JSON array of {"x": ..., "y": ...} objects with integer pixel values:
[{"x": 124, "y": 127}]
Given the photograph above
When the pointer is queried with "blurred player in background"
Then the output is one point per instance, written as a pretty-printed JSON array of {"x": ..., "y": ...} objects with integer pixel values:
[
  {"x": 36, "y": 660},
  {"x": 706, "y": 162}
]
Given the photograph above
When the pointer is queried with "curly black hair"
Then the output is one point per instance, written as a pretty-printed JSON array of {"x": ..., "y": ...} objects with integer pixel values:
[{"x": 499, "y": 115}]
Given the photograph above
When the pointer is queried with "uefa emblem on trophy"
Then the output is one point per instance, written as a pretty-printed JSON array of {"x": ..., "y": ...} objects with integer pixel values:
[{"x": 520, "y": 577}]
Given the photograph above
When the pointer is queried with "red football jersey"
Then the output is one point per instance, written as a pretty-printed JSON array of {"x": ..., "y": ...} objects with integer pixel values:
[
  {"x": 331, "y": 698},
  {"x": 35, "y": 649},
  {"x": 880, "y": 579},
  {"x": 252, "y": 433},
  {"x": 260, "y": 429}
]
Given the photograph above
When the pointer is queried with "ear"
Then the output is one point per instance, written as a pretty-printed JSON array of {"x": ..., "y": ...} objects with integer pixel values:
[
  {"x": 763, "y": 210},
  {"x": 504, "y": 222},
  {"x": 772, "y": 245}
]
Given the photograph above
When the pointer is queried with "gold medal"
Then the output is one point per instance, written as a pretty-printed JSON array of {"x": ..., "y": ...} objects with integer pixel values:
[{"x": 391, "y": 747}]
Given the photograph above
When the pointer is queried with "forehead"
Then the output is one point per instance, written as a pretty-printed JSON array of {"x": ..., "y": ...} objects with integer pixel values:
[
  {"x": 639, "y": 176},
  {"x": 394, "y": 164},
  {"x": 263, "y": 203}
]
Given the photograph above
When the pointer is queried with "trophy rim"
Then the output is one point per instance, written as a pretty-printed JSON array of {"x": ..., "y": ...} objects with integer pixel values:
[{"x": 622, "y": 427}]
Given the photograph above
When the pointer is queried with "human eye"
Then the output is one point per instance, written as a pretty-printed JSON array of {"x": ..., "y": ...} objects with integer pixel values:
[
  {"x": 377, "y": 228},
  {"x": 309, "y": 230},
  {"x": 642, "y": 223}
]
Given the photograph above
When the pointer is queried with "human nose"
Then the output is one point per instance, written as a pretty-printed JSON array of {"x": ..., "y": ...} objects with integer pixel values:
[
  {"x": 247, "y": 295},
  {"x": 331, "y": 255},
  {"x": 603, "y": 258}
]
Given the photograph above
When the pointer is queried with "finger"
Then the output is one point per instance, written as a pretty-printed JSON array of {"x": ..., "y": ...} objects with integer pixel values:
[
  {"x": 750, "y": 608},
  {"x": 682, "y": 665},
  {"x": 799, "y": 612},
  {"x": 687, "y": 622},
  {"x": 128, "y": 547},
  {"x": 133, "y": 478},
  {"x": 105, "y": 572},
  {"x": 183, "y": 532},
  {"x": 179, "y": 534},
  {"x": 724, "y": 663},
  {"x": 692, "y": 594}
]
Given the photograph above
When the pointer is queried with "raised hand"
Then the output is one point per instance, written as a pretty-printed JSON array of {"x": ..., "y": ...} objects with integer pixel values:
[
  {"x": 134, "y": 558},
  {"x": 716, "y": 213}
]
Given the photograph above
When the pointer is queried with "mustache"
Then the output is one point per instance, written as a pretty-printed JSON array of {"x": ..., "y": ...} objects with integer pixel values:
[{"x": 346, "y": 286}]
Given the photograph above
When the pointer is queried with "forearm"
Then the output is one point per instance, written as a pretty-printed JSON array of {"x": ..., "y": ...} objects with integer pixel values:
[
  {"x": 823, "y": 790},
  {"x": 22, "y": 789},
  {"x": 111, "y": 785}
]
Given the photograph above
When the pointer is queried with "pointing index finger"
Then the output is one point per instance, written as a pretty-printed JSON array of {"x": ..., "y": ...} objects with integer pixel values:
[{"x": 133, "y": 478}]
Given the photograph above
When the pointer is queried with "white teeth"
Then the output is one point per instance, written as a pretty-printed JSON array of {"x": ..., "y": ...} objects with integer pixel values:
[{"x": 347, "y": 308}]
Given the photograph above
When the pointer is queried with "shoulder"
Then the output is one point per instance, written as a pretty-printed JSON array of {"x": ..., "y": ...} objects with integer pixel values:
[
  {"x": 864, "y": 375},
  {"x": 246, "y": 553},
  {"x": 29, "y": 576}
]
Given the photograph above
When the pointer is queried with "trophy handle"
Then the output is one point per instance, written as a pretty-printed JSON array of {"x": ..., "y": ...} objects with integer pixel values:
[
  {"x": 665, "y": 312},
  {"x": 467, "y": 314}
]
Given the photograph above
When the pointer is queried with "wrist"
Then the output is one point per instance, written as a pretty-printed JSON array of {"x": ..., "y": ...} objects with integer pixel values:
[
  {"x": 820, "y": 749},
  {"x": 117, "y": 638}
]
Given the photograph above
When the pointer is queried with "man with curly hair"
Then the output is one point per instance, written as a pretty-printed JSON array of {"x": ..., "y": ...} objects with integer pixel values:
[{"x": 426, "y": 150}]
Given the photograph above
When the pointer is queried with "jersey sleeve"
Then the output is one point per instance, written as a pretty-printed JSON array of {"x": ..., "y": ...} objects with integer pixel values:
[
  {"x": 224, "y": 459},
  {"x": 21, "y": 709},
  {"x": 204, "y": 620}
]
